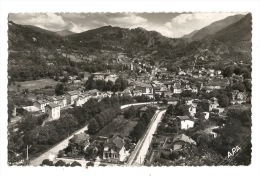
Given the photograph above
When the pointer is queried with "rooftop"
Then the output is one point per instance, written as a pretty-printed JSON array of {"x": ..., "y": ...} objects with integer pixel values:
[
  {"x": 183, "y": 117},
  {"x": 183, "y": 137},
  {"x": 53, "y": 105}
]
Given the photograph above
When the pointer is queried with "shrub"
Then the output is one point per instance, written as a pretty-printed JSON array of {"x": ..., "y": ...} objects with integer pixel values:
[
  {"x": 60, "y": 163},
  {"x": 90, "y": 164},
  {"x": 75, "y": 163}
]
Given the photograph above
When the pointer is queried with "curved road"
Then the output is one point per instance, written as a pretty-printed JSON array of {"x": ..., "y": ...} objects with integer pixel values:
[{"x": 52, "y": 153}]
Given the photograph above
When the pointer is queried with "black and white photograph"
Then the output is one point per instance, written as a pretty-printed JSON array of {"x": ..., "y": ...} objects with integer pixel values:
[{"x": 129, "y": 89}]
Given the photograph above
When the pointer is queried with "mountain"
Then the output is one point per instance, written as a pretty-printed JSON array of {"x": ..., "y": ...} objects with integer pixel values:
[
  {"x": 238, "y": 37},
  {"x": 31, "y": 38},
  {"x": 230, "y": 43},
  {"x": 190, "y": 35},
  {"x": 215, "y": 27},
  {"x": 236, "y": 32},
  {"x": 65, "y": 32},
  {"x": 127, "y": 40}
]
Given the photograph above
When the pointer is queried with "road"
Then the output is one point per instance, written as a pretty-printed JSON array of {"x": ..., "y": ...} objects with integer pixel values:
[
  {"x": 52, "y": 153},
  {"x": 138, "y": 155},
  {"x": 136, "y": 104}
]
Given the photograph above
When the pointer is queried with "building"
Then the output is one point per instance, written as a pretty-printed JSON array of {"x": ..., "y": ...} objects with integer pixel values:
[
  {"x": 40, "y": 104},
  {"x": 71, "y": 96},
  {"x": 177, "y": 88},
  {"x": 192, "y": 110},
  {"x": 112, "y": 78},
  {"x": 206, "y": 115},
  {"x": 114, "y": 149},
  {"x": 79, "y": 142},
  {"x": 182, "y": 141},
  {"x": 183, "y": 122},
  {"x": 53, "y": 110},
  {"x": 144, "y": 87},
  {"x": 213, "y": 104},
  {"x": 61, "y": 101}
]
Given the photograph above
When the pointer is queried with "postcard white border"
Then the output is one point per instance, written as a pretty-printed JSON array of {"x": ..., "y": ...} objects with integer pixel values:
[{"x": 131, "y": 6}]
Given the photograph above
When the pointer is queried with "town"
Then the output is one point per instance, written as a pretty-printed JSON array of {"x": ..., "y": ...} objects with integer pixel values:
[{"x": 108, "y": 107}]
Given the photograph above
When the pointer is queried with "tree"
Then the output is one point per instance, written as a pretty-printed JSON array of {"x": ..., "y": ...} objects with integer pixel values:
[
  {"x": 239, "y": 86},
  {"x": 61, "y": 154},
  {"x": 75, "y": 163},
  {"x": 59, "y": 89},
  {"x": 65, "y": 79},
  {"x": 223, "y": 100},
  {"x": 130, "y": 113},
  {"x": 60, "y": 163},
  {"x": 152, "y": 62},
  {"x": 170, "y": 109},
  {"x": 47, "y": 162},
  {"x": 90, "y": 164},
  {"x": 186, "y": 93},
  {"x": 93, "y": 126},
  {"x": 18, "y": 87},
  {"x": 228, "y": 71}
]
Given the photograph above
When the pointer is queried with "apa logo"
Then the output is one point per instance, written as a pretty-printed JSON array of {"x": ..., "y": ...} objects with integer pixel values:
[{"x": 234, "y": 150}]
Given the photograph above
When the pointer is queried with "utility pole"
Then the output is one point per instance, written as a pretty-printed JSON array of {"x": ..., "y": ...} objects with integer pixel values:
[{"x": 27, "y": 158}]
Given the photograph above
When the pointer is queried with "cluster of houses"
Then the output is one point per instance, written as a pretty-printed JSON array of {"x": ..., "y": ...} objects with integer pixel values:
[
  {"x": 114, "y": 147},
  {"x": 53, "y": 104}
]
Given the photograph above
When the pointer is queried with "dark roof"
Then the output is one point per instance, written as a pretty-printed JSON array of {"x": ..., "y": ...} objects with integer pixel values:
[
  {"x": 53, "y": 105},
  {"x": 115, "y": 142},
  {"x": 80, "y": 139},
  {"x": 75, "y": 92},
  {"x": 41, "y": 101}
]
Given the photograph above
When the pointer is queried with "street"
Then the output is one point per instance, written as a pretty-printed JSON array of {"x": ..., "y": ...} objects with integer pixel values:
[
  {"x": 138, "y": 155},
  {"x": 52, "y": 153}
]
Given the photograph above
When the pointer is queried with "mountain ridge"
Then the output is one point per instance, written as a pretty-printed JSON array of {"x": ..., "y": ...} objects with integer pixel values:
[
  {"x": 65, "y": 32},
  {"x": 214, "y": 27}
]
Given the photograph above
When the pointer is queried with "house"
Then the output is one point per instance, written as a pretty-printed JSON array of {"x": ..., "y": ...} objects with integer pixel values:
[
  {"x": 61, "y": 100},
  {"x": 82, "y": 99},
  {"x": 236, "y": 95},
  {"x": 182, "y": 73},
  {"x": 114, "y": 149},
  {"x": 206, "y": 115},
  {"x": 192, "y": 111},
  {"x": 31, "y": 109},
  {"x": 99, "y": 76},
  {"x": 209, "y": 131},
  {"x": 194, "y": 89},
  {"x": 213, "y": 104},
  {"x": 144, "y": 87},
  {"x": 182, "y": 141},
  {"x": 137, "y": 93},
  {"x": 183, "y": 122},
  {"x": 172, "y": 100},
  {"x": 177, "y": 88},
  {"x": 112, "y": 78},
  {"x": 53, "y": 110},
  {"x": 79, "y": 142},
  {"x": 71, "y": 96},
  {"x": 40, "y": 104}
]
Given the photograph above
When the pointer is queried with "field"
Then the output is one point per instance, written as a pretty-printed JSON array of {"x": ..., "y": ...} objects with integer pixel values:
[
  {"x": 32, "y": 85},
  {"x": 119, "y": 125}
]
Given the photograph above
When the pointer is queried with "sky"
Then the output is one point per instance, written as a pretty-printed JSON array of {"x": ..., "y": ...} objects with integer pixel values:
[{"x": 172, "y": 25}]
